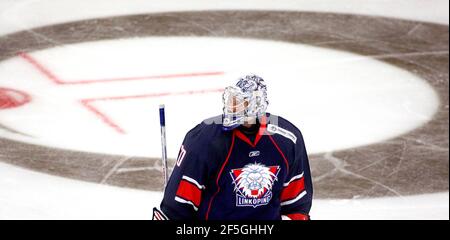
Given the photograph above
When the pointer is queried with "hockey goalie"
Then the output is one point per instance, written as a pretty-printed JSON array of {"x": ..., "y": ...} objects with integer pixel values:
[{"x": 246, "y": 164}]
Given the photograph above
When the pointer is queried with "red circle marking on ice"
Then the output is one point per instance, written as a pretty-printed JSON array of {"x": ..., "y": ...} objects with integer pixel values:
[{"x": 10, "y": 98}]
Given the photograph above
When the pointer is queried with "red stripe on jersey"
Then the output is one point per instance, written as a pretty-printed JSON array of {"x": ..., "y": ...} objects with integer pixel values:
[
  {"x": 293, "y": 189},
  {"x": 298, "y": 216},
  {"x": 244, "y": 138},
  {"x": 190, "y": 192}
]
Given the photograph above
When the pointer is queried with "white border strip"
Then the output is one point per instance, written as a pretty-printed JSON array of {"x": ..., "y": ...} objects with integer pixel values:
[
  {"x": 294, "y": 200},
  {"x": 293, "y": 179},
  {"x": 283, "y": 132},
  {"x": 180, "y": 200},
  {"x": 191, "y": 180}
]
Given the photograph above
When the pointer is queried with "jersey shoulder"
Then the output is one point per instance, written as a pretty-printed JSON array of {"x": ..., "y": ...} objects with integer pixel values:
[
  {"x": 203, "y": 134},
  {"x": 280, "y": 126}
]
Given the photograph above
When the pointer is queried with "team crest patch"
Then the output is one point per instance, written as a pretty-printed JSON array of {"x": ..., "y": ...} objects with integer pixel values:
[{"x": 253, "y": 184}]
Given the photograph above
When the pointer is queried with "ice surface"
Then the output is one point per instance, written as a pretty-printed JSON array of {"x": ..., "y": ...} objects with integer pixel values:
[
  {"x": 26, "y": 194},
  {"x": 374, "y": 101},
  {"x": 25, "y": 14}
]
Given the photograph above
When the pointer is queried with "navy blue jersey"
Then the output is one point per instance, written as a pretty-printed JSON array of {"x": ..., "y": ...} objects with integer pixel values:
[{"x": 233, "y": 175}]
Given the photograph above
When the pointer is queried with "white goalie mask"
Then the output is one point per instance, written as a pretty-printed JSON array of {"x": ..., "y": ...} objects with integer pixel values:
[{"x": 244, "y": 102}]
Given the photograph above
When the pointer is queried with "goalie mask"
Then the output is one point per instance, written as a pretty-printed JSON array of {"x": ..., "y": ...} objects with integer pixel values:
[{"x": 244, "y": 102}]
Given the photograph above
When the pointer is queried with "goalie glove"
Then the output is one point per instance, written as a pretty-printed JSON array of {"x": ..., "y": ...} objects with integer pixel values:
[{"x": 159, "y": 215}]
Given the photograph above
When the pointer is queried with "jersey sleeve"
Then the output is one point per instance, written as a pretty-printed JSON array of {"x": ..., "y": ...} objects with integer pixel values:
[
  {"x": 296, "y": 197},
  {"x": 183, "y": 194}
]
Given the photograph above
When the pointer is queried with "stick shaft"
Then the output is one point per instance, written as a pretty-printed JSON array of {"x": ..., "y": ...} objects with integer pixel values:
[{"x": 162, "y": 120}]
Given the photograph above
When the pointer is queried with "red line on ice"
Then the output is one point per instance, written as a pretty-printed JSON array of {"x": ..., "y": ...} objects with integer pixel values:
[
  {"x": 41, "y": 68},
  {"x": 192, "y": 92},
  {"x": 87, "y": 102},
  {"x": 182, "y": 75},
  {"x": 112, "y": 124},
  {"x": 108, "y": 121},
  {"x": 52, "y": 76}
]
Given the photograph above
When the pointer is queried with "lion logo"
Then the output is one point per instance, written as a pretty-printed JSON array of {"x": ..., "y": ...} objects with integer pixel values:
[{"x": 253, "y": 184}]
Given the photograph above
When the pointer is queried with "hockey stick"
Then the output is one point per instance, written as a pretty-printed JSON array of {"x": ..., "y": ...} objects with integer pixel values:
[{"x": 162, "y": 121}]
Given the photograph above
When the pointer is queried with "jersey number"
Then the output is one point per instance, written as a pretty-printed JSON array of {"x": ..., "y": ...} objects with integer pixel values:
[{"x": 181, "y": 155}]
